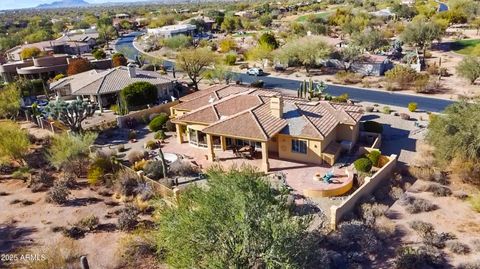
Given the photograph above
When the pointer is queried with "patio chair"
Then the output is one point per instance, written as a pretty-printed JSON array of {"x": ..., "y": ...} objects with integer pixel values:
[{"x": 327, "y": 178}]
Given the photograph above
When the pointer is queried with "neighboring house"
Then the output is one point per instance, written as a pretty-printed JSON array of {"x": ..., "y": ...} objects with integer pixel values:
[
  {"x": 208, "y": 22},
  {"x": 43, "y": 67},
  {"x": 89, "y": 38},
  {"x": 122, "y": 16},
  {"x": 372, "y": 65},
  {"x": 224, "y": 117},
  {"x": 51, "y": 47},
  {"x": 172, "y": 30},
  {"x": 103, "y": 87},
  {"x": 383, "y": 13},
  {"x": 244, "y": 14}
]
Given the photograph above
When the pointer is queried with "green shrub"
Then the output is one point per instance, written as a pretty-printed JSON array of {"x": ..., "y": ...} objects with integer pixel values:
[
  {"x": 95, "y": 174},
  {"x": 344, "y": 77},
  {"x": 363, "y": 165},
  {"x": 14, "y": 141},
  {"x": 374, "y": 157},
  {"x": 341, "y": 98},
  {"x": 99, "y": 54},
  {"x": 139, "y": 93},
  {"x": 386, "y": 110},
  {"x": 65, "y": 148},
  {"x": 412, "y": 107},
  {"x": 373, "y": 126},
  {"x": 475, "y": 202},
  {"x": 230, "y": 58},
  {"x": 158, "y": 122},
  {"x": 58, "y": 77},
  {"x": 115, "y": 108},
  {"x": 177, "y": 42},
  {"x": 151, "y": 144},
  {"x": 160, "y": 135},
  {"x": 403, "y": 76}
]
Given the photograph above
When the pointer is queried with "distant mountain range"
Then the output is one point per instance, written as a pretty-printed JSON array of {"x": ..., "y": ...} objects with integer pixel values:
[{"x": 64, "y": 4}]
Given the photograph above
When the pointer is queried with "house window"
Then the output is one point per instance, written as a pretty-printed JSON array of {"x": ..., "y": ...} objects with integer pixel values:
[{"x": 299, "y": 146}]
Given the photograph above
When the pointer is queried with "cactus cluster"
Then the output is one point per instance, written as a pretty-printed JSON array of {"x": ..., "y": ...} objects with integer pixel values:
[{"x": 310, "y": 90}]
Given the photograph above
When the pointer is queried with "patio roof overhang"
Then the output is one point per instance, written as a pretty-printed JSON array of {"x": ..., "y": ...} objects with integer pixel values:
[{"x": 238, "y": 137}]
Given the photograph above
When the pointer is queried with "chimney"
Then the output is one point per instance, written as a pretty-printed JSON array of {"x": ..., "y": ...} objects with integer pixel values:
[
  {"x": 276, "y": 106},
  {"x": 132, "y": 72}
]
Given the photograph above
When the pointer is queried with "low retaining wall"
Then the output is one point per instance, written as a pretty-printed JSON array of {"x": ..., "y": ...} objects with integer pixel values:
[
  {"x": 54, "y": 127},
  {"x": 139, "y": 115},
  {"x": 371, "y": 183}
]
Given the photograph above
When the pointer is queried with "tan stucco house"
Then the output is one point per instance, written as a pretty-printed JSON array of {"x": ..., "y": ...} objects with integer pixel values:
[
  {"x": 222, "y": 117},
  {"x": 103, "y": 86}
]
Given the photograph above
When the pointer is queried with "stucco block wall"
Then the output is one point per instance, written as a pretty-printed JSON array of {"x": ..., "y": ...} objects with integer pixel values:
[
  {"x": 347, "y": 132},
  {"x": 273, "y": 144},
  {"x": 370, "y": 185},
  {"x": 138, "y": 115},
  {"x": 313, "y": 150},
  {"x": 328, "y": 139}
]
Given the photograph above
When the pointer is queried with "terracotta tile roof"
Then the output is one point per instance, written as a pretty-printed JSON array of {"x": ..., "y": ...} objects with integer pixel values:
[
  {"x": 271, "y": 125},
  {"x": 246, "y": 113},
  {"x": 237, "y": 104},
  {"x": 206, "y": 115},
  {"x": 212, "y": 94},
  {"x": 238, "y": 126},
  {"x": 197, "y": 94}
]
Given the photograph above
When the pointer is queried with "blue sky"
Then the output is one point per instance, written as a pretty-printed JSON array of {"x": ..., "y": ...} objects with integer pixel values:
[{"x": 13, "y": 4}]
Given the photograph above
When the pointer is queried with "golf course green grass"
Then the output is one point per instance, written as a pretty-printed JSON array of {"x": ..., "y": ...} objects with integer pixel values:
[
  {"x": 318, "y": 15},
  {"x": 465, "y": 47}
]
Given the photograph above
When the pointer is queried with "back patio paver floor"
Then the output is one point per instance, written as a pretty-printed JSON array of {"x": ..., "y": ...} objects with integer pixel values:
[{"x": 299, "y": 176}]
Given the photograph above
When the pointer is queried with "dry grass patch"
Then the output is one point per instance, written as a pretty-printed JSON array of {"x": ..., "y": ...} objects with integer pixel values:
[{"x": 63, "y": 253}]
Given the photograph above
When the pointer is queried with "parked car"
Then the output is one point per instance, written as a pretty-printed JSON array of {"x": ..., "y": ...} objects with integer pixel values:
[{"x": 255, "y": 72}]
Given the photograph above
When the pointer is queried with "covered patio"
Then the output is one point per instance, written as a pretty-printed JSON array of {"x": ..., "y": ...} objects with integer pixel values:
[
  {"x": 301, "y": 177},
  {"x": 222, "y": 148}
]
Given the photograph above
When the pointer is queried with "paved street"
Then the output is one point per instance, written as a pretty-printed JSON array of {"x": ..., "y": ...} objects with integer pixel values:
[{"x": 125, "y": 44}]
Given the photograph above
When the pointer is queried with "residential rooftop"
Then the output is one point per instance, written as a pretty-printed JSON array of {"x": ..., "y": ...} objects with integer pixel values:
[
  {"x": 96, "y": 82},
  {"x": 247, "y": 113}
]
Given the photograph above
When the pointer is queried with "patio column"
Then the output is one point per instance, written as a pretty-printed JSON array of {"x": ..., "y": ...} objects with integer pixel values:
[
  {"x": 223, "y": 142},
  {"x": 178, "y": 128},
  {"x": 211, "y": 153},
  {"x": 99, "y": 100},
  {"x": 265, "y": 164}
]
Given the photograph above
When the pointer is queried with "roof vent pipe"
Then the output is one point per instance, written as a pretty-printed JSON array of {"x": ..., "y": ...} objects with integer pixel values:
[{"x": 132, "y": 72}]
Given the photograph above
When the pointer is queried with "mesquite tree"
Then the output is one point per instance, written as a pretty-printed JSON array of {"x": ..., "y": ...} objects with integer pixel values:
[{"x": 71, "y": 114}]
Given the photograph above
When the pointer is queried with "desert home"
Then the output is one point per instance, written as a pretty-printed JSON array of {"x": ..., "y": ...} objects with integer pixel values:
[
  {"x": 103, "y": 86},
  {"x": 236, "y": 117}
]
